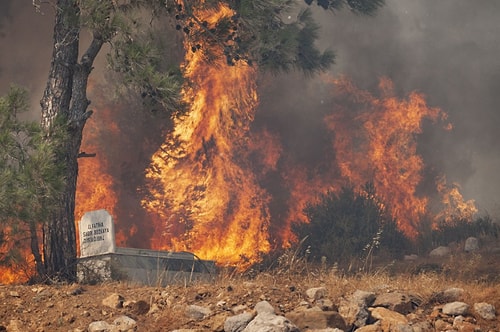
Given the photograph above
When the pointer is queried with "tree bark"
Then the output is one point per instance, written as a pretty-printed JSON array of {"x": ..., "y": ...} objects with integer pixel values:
[{"x": 65, "y": 101}]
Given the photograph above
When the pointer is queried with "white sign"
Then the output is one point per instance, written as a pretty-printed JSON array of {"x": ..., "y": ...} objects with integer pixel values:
[{"x": 97, "y": 233}]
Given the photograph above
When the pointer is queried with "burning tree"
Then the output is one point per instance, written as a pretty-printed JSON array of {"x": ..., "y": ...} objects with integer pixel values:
[{"x": 251, "y": 31}]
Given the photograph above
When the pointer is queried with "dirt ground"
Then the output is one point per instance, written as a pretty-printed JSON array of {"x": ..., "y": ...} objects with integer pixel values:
[{"x": 63, "y": 307}]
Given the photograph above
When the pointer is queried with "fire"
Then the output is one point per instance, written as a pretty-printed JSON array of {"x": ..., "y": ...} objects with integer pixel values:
[
  {"x": 209, "y": 182},
  {"x": 455, "y": 207},
  {"x": 21, "y": 266},
  {"x": 226, "y": 189},
  {"x": 94, "y": 184},
  {"x": 204, "y": 196},
  {"x": 375, "y": 141}
]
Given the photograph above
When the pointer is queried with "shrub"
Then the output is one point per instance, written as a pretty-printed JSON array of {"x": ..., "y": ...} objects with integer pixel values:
[
  {"x": 460, "y": 229},
  {"x": 344, "y": 225}
]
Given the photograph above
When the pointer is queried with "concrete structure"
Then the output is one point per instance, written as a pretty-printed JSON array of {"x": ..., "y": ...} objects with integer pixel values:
[{"x": 100, "y": 260}]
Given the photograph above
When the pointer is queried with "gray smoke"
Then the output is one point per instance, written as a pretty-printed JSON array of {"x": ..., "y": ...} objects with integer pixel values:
[
  {"x": 25, "y": 48},
  {"x": 449, "y": 51}
]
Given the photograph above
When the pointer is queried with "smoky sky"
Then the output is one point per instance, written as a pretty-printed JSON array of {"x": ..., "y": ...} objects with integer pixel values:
[{"x": 447, "y": 49}]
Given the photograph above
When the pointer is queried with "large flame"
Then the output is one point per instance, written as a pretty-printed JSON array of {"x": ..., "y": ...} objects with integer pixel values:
[
  {"x": 375, "y": 141},
  {"x": 205, "y": 197}
]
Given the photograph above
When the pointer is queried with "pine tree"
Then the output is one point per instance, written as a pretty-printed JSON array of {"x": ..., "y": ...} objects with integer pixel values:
[{"x": 30, "y": 182}]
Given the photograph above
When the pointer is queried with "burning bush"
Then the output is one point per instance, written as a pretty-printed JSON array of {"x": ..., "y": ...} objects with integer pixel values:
[
  {"x": 344, "y": 225},
  {"x": 458, "y": 230}
]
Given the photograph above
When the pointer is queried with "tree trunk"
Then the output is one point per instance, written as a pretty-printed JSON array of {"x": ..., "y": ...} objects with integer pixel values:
[
  {"x": 65, "y": 101},
  {"x": 35, "y": 249}
]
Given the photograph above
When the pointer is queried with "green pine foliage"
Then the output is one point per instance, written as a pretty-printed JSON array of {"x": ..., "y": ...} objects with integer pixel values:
[
  {"x": 30, "y": 181},
  {"x": 364, "y": 7},
  {"x": 343, "y": 225},
  {"x": 260, "y": 32}
]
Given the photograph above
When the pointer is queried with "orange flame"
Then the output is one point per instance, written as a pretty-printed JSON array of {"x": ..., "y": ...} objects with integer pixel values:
[
  {"x": 455, "y": 207},
  {"x": 204, "y": 196},
  {"x": 378, "y": 144},
  {"x": 21, "y": 267},
  {"x": 94, "y": 184}
]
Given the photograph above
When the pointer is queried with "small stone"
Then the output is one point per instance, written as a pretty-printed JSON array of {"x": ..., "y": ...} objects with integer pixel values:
[
  {"x": 125, "y": 323},
  {"x": 455, "y": 308},
  {"x": 471, "y": 244},
  {"x": 316, "y": 293},
  {"x": 264, "y": 307},
  {"x": 114, "y": 301},
  {"x": 237, "y": 323},
  {"x": 238, "y": 309},
  {"x": 99, "y": 326},
  {"x": 440, "y": 252},
  {"x": 197, "y": 312},
  {"x": 14, "y": 294},
  {"x": 485, "y": 310}
]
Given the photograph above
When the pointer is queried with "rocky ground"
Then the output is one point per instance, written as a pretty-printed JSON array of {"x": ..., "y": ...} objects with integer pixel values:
[{"x": 455, "y": 293}]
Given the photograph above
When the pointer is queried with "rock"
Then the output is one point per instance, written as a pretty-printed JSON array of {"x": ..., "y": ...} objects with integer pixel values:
[
  {"x": 267, "y": 321},
  {"x": 114, "y": 301},
  {"x": 317, "y": 293},
  {"x": 312, "y": 319},
  {"x": 238, "y": 309},
  {"x": 100, "y": 326},
  {"x": 370, "y": 328},
  {"x": 237, "y": 323},
  {"x": 455, "y": 308},
  {"x": 453, "y": 294},
  {"x": 197, "y": 312},
  {"x": 364, "y": 297},
  {"x": 395, "y": 301},
  {"x": 485, "y": 310},
  {"x": 460, "y": 324},
  {"x": 448, "y": 295},
  {"x": 124, "y": 324},
  {"x": 471, "y": 244},
  {"x": 354, "y": 310},
  {"x": 411, "y": 257},
  {"x": 440, "y": 252},
  {"x": 264, "y": 307},
  {"x": 14, "y": 294},
  {"x": 270, "y": 323},
  {"x": 422, "y": 327},
  {"x": 441, "y": 325},
  {"x": 390, "y": 320}
]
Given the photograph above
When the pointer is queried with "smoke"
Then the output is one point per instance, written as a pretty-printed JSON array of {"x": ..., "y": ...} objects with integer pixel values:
[
  {"x": 26, "y": 46},
  {"x": 448, "y": 50}
]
